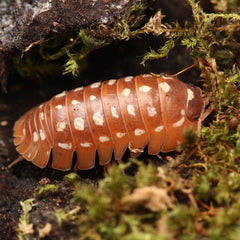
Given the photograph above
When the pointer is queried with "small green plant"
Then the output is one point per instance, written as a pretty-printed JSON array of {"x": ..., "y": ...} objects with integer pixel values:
[
  {"x": 25, "y": 228},
  {"x": 88, "y": 40},
  {"x": 65, "y": 215},
  {"x": 44, "y": 190}
]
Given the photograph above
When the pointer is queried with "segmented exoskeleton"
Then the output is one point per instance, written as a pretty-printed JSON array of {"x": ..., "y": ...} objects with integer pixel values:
[{"x": 109, "y": 117}]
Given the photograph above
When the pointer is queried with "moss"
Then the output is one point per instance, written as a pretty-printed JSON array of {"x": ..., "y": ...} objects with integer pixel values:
[
  {"x": 76, "y": 47},
  {"x": 210, "y": 35},
  {"x": 106, "y": 216},
  {"x": 123, "y": 30},
  {"x": 66, "y": 215},
  {"x": 43, "y": 191},
  {"x": 25, "y": 228},
  {"x": 89, "y": 43},
  {"x": 71, "y": 178}
]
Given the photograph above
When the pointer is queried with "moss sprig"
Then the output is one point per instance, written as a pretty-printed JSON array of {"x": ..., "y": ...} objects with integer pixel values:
[
  {"x": 89, "y": 40},
  {"x": 45, "y": 190},
  {"x": 25, "y": 228},
  {"x": 200, "y": 37}
]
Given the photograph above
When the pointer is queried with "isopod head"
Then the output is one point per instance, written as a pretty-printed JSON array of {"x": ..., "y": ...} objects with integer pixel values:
[{"x": 195, "y": 104}]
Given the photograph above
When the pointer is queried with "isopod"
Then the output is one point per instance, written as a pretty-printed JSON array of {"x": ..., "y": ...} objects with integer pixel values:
[{"x": 109, "y": 116}]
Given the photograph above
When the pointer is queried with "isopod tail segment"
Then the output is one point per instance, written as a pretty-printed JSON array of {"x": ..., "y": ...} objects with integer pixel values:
[{"x": 109, "y": 117}]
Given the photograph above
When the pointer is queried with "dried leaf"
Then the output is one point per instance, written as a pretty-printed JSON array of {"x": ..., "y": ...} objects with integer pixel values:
[
  {"x": 43, "y": 232},
  {"x": 27, "y": 229},
  {"x": 151, "y": 197}
]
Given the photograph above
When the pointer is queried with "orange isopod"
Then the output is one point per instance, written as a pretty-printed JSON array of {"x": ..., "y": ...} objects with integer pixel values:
[{"x": 110, "y": 116}]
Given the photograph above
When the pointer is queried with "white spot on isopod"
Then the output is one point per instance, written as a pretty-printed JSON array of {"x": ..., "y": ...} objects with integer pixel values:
[
  {"x": 190, "y": 94},
  {"x": 139, "y": 132},
  {"x": 126, "y": 92},
  {"x": 60, "y": 126},
  {"x": 92, "y": 97},
  {"x": 79, "y": 123},
  {"x": 179, "y": 123},
  {"x": 78, "y": 89},
  {"x": 182, "y": 112},
  {"x": 42, "y": 135},
  {"x": 146, "y": 75},
  {"x": 86, "y": 144},
  {"x": 128, "y": 79},
  {"x": 120, "y": 135},
  {"x": 158, "y": 129},
  {"x": 29, "y": 155},
  {"x": 98, "y": 118},
  {"x": 114, "y": 112},
  {"x": 59, "y": 107},
  {"x": 40, "y": 106},
  {"x": 145, "y": 88},
  {"x": 112, "y": 81},
  {"x": 75, "y": 102},
  {"x": 104, "y": 139},
  {"x": 41, "y": 115},
  {"x": 164, "y": 86},
  {"x": 66, "y": 146},
  {"x": 35, "y": 136},
  {"x": 61, "y": 94},
  {"x": 151, "y": 111},
  {"x": 131, "y": 109},
  {"x": 24, "y": 131},
  {"x": 95, "y": 85}
]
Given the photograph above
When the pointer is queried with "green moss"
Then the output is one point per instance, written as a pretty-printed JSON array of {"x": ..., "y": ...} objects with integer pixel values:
[
  {"x": 66, "y": 215},
  {"x": 123, "y": 30},
  {"x": 45, "y": 190},
  {"x": 89, "y": 43},
  {"x": 211, "y": 34},
  {"x": 106, "y": 216},
  {"x": 71, "y": 178},
  {"x": 45, "y": 58},
  {"x": 127, "y": 27},
  {"x": 161, "y": 53},
  {"x": 25, "y": 228}
]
